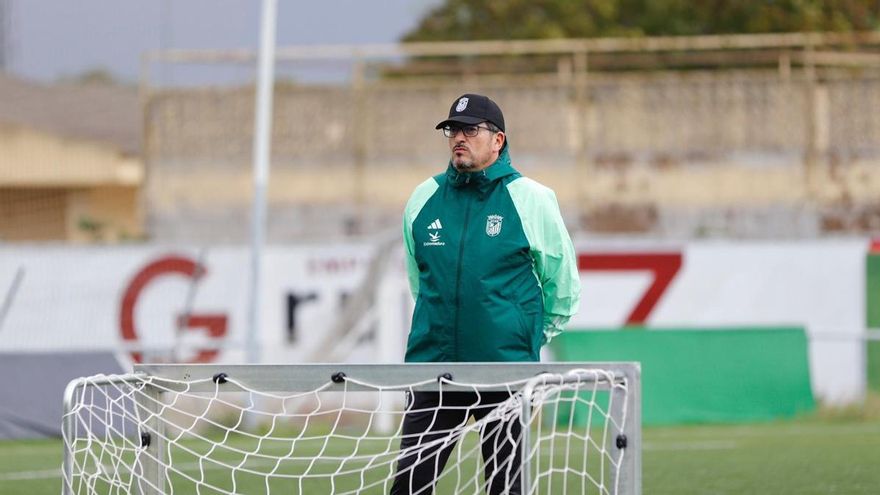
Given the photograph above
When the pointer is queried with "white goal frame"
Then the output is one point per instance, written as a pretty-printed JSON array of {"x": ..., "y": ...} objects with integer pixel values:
[{"x": 623, "y": 441}]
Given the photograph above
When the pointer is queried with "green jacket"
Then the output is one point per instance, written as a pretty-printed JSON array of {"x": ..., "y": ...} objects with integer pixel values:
[{"x": 491, "y": 266}]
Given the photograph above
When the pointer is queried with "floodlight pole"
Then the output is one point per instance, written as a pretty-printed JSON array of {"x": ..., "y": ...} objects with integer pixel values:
[{"x": 262, "y": 150}]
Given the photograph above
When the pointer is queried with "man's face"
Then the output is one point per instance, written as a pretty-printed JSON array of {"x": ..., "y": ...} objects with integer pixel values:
[{"x": 474, "y": 153}]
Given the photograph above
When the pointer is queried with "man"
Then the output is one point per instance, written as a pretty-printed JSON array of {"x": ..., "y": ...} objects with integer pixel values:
[{"x": 494, "y": 276}]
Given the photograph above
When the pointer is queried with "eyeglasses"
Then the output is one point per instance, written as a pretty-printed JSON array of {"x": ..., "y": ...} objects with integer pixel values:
[{"x": 468, "y": 130}]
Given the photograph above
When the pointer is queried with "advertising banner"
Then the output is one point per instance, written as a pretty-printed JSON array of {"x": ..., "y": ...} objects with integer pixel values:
[{"x": 190, "y": 305}]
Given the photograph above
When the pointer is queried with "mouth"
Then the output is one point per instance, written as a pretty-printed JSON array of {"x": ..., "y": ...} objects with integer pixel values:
[{"x": 459, "y": 149}]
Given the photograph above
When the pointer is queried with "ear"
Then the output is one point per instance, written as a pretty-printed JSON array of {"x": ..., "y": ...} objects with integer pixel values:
[{"x": 500, "y": 137}]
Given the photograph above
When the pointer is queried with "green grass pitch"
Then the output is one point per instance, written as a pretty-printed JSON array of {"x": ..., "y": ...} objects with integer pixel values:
[{"x": 807, "y": 456}]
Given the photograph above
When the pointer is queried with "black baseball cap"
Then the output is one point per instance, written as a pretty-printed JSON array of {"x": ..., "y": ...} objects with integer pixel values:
[{"x": 472, "y": 109}]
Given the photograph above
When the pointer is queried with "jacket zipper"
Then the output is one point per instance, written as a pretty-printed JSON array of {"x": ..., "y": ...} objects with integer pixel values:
[{"x": 467, "y": 217}]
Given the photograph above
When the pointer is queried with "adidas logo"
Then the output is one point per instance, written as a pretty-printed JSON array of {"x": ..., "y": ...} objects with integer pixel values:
[{"x": 434, "y": 236}]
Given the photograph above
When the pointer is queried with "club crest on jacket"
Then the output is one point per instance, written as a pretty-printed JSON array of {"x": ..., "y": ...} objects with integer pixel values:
[{"x": 493, "y": 225}]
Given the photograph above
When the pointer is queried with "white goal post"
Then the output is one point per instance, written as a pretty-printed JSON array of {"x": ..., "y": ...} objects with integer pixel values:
[{"x": 299, "y": 429}]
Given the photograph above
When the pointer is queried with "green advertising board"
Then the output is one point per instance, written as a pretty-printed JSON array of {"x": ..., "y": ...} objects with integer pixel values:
[
  {"x": 872, "y": 310},
  {"x": 725, "y": 375}
]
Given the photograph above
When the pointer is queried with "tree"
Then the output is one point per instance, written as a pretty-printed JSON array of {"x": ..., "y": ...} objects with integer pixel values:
[{"x": 542, "y": 19}]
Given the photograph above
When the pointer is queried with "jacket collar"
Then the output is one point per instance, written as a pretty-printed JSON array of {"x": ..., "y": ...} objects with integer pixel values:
[{"x": 483, "y": 179}]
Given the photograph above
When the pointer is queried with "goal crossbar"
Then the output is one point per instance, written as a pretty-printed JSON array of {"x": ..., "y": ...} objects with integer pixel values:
[{"x": 305, "y": 377}]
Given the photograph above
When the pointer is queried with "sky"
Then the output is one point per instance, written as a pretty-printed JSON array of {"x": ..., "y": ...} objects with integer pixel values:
[{"x": 55, "y": 39}]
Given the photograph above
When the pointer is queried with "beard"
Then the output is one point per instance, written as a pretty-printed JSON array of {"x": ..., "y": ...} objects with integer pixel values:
[
  {"x": 463, "y": 164},
  {"x": 466, "y": 162},
  {"x": 467, "y": 157}
]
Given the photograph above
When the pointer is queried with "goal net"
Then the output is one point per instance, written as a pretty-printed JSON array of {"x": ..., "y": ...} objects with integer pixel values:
[{"x": 355, "y": 429}]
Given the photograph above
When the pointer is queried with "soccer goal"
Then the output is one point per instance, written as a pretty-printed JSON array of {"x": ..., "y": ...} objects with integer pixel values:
[{"x": 316, "y": 429}]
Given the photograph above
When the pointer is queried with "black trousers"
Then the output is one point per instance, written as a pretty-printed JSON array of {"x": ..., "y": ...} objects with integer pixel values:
[{"x": 418, "y": 471}]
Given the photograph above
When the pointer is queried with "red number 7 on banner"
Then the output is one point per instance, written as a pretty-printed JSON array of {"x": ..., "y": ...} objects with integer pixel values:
[{"x": 663, "y": 266}]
